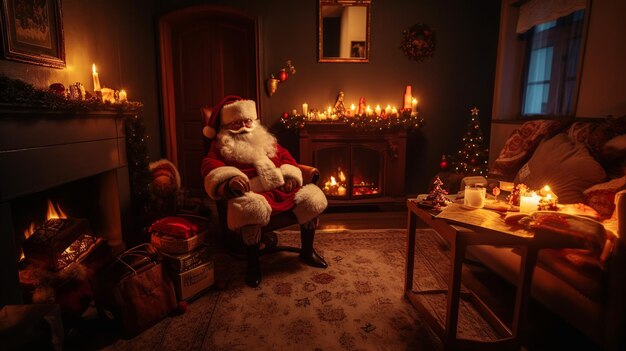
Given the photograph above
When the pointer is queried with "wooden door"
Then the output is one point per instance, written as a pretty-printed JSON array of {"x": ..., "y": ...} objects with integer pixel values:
[{"x": 207, "y": 52}]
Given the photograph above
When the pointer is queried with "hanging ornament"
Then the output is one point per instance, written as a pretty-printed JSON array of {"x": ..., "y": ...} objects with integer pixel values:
[
  {"x": 285, "y": 115},
  {"x": 283, "y": 75},
  {"x": 443, "y": 165}
]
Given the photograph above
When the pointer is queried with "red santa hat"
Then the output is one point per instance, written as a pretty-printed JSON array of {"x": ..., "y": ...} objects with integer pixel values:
[{"x": 232, "y": 108}]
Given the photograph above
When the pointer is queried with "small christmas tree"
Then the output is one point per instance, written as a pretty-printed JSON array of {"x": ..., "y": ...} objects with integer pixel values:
[
  {"x": 436, "y": 197},
  {"x": 471, "y": 159}
]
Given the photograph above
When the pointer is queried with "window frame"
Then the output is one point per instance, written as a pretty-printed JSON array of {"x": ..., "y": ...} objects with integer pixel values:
[{"x": 509, "y": 87}]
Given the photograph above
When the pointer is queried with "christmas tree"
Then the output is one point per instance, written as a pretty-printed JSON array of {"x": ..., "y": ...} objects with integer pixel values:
[{"x": 471, "y": 159}]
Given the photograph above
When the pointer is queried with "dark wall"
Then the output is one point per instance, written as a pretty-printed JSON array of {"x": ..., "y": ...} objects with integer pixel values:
[{"x": 120, "y": 37}]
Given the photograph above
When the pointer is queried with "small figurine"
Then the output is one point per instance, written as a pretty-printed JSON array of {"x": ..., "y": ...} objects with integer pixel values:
[{"x": 339, "y": 107}]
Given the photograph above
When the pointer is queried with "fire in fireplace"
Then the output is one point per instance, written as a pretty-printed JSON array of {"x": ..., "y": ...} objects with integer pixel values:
[
  {"x": 356, "y": 167},
  {"x": 57, "y": 242}
]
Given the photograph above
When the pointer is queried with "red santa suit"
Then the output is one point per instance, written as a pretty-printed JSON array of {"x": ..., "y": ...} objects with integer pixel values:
[{"x": 266, "y": 176}]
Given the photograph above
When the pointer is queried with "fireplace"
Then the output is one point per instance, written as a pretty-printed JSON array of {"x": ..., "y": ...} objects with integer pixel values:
[
  {"x": 76, "y": 161},
  {"x": 356, "y": 167}
]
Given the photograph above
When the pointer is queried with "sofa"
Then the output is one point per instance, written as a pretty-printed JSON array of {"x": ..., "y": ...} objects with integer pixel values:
[{"x": 584, "y": 163}]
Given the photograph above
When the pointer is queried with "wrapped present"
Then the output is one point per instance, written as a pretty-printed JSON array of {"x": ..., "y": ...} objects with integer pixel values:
[
  {"x": 176, "y": 226},
  {"x": 170, "y": 243},
  {"x": 184, "y": 262},
  {"x": 193, "y": 282}
]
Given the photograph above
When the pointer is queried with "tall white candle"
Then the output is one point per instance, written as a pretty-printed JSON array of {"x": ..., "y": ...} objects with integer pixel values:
[
  {"x": 305, "y": 109},
  {"x": 96, "y": 79},
  {"x": 414, "y": 105}
]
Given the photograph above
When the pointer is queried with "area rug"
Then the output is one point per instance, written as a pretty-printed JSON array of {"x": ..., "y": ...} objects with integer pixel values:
[{"x": 356, "y": 303}]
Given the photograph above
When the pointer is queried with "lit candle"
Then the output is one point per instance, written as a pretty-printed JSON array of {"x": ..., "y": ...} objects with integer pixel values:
[
  {"x": 341, "y": 191},
  {"x": 368, "y": 111},
  {"x": 394, "y": 111},
  {"x": 96, "y": 80},
  {"x": 529, "y": 202},
  {"x": 407, "y": 97},
  {"x": 414, "y": 105},
  {"x": 352, "y": 109},
  {"x": 123, "y": 96},
  {"x": 377, "y": 110},
  {"x": 305, "y": 109},
  {"x": 330, "y": 111}
]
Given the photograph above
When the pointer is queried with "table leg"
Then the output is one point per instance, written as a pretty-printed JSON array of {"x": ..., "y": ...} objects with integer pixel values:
[
  {"x": 522, "y": 298},
  {"x": 410, "y": 251},
  {"x": 454, "y": 286}
]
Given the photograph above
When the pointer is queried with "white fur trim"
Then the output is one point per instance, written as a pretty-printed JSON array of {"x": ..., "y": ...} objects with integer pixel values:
[
  {"x": 270, "y": 176},
  {"x": 209, "y": 132},
  {"x": 217, "y": 176},
  {"x": 238, "y": 110},
  {"x": 249, "y": 209},
  {"x": 310, "y": 203},
  {"x": 291, "y": 171}
]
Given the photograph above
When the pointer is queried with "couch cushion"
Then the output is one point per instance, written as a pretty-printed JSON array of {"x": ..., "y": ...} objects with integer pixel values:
[
  {"x": 602, "y": 196},
  {"x": 565, "y": 165},
  {"x": 521, "y": 144}
]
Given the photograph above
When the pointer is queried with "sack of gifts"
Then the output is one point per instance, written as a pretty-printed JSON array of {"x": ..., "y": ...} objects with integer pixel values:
[{"x": 135, "y": 290}]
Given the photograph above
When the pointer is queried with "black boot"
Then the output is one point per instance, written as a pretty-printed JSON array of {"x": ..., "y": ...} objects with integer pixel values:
[
  {"x": 308, "y": 253},
  {"x": 253, "y": 269}
]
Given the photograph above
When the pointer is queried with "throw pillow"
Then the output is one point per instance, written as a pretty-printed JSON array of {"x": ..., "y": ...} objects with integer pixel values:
[
  {"x": 521, "y": 144},
  {"x": 602, "y": 196},
  {"x": 566, "y": 166}
]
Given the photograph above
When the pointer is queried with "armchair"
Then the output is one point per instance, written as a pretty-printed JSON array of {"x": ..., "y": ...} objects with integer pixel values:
[{"x": 236, "y": 239}]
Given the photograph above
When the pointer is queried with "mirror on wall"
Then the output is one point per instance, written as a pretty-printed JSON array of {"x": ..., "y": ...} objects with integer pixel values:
[{"x": 344, "y": 31}]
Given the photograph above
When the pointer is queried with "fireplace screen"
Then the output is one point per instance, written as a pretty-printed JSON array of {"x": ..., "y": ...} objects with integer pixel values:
[{"x": 350, "y": 172}]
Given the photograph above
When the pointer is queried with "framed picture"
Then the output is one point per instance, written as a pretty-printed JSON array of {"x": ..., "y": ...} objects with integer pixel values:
[
  {"x": 357, "y": 49},
  {"x": 32, "y": 32}
]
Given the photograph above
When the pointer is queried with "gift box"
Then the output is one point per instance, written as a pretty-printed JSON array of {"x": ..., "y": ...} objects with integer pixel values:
[
  {"x": 179, "y": 245},
  {"x": 191, "y": 283},
  {"x": 184, "y": 262}
]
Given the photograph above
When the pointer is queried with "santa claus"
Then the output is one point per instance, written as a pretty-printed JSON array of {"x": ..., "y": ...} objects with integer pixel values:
[{"x": 259, "y": 179}]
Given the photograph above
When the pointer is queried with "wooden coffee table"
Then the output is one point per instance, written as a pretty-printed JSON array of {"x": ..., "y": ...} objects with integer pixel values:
[{"x": 462, "y": 228}]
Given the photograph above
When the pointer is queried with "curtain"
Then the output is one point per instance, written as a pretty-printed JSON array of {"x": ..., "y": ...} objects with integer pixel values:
[{"x": 534, "y": 12}]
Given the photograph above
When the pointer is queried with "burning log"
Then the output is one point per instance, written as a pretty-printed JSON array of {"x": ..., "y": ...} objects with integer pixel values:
[{"x": 58, "y": 242}]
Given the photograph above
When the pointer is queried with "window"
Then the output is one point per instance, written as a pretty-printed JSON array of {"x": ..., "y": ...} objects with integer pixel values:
[{"x": 551, "y": 66}]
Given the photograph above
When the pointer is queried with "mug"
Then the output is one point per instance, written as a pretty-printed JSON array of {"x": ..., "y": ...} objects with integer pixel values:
[{"x": 475, "y": 196}]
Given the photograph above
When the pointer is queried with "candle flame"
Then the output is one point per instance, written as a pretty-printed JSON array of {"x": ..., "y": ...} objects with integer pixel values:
[{"x": 93, "y": 68}]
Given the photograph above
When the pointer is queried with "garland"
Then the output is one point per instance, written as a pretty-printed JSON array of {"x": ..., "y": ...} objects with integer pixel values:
[
  {"x": 15, "y": 92},
  {"x": 418, "y": 42},
  {"x": 404, "y": 120}
]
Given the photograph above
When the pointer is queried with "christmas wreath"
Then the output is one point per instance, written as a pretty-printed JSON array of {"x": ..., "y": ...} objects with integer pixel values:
[{"x": 418, "y": 42}]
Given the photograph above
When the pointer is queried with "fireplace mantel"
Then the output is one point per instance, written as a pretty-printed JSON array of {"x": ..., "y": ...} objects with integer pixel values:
[{"x": 42, "y": 149}]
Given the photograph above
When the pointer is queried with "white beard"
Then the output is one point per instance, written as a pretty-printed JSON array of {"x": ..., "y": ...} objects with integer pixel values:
[{"x": 246, "y": 148}]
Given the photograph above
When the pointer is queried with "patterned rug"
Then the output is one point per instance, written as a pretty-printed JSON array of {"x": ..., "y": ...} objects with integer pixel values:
[{"x": 355, "y": 304}]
